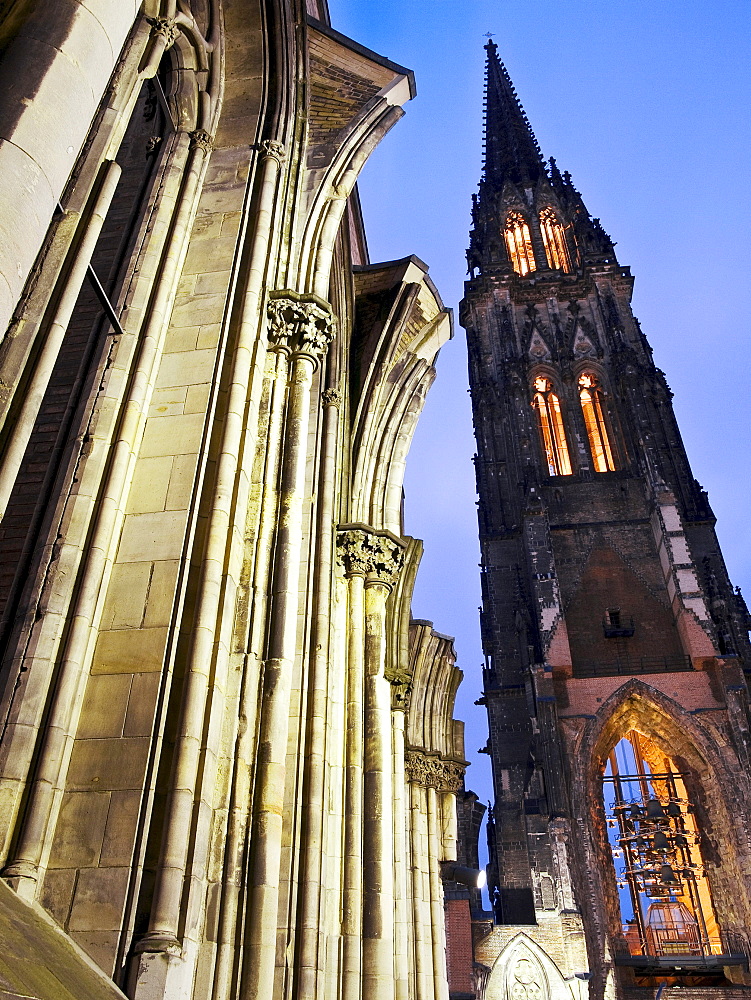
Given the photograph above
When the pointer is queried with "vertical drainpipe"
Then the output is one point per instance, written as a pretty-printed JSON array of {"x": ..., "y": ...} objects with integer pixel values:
[
  {"x": 45, "y": 362},
  {"x": 304, "y": 324}
]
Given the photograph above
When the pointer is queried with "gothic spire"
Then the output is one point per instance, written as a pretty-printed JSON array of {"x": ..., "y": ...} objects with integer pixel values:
[{"x": 511, "y": 150}]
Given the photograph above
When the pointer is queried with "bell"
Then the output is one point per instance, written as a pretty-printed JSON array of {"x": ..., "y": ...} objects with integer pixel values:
[
  {"x": 660, "y": 842},
  {"x": 655, "y": 810},
  {"x": 635, "y": 812},
  {"x": 667, "y": 876},
  {"x": 673, "y": 810},
  {"x": 681, "y": 841}
]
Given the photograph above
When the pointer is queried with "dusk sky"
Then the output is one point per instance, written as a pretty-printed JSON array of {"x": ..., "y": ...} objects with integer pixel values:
[{"x": 646, "y": 103}]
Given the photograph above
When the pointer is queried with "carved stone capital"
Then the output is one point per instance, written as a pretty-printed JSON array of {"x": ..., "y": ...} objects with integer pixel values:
[
  {"x": 377, "y": 556},
  {"x": 332, "y": 397},
  {"x": 401, "y": 687},
  {"x": 167, "y": 27},
  {"x": 300, "y": 324},
  {"x": 433, "y": 771},
  {"x": 200, "y": 139},
  {"x": 274, "y": 150}
]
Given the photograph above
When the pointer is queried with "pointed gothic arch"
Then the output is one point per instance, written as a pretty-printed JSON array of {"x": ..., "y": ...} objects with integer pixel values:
[
  {"x": 713, "y": 786},
  {"x": 519, "y": 243},
  {"x": 594, "y": 411},
  {"x": 546, "y": 402},
  {"x": 554, "y": 241},
  {"x": 523, "y": 971}
]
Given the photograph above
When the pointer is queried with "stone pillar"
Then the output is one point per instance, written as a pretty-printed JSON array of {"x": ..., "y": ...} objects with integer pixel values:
[
  {"x": 45, "y": 792},
  {"x": 378, "y": 826},
  {"x": 372, "y": 561},
  {"x": 303, "y": 325},
  {"x": 433, "y": 786},
  {"x": 353, "y": 554},
  {"x": 400, "y": 689}
]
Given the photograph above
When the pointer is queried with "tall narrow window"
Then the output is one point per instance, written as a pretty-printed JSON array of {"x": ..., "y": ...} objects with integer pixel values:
[
  {"x": 554, "y": 240},
  {"x": 664, "y": 894},
  {"x": 519, "y": 244},
  {"x": 553, "y": 435},
  {"x": 590, "y": 395}
]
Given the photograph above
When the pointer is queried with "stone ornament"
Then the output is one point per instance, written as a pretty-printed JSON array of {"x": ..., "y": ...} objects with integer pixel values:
[
  {"x": 167, "y": 27},
  {"x": 201, "y": 139},
  {"x": 271, "y": 148},
  {"x": 526, "y": 981},
  {"x": 378, "y": 557},
  {"x": 401, "y": 687},
  {"x": 301, "y": 324},
  {"x": 433, "y": 771},
  {"x": 332, "y": 397}
]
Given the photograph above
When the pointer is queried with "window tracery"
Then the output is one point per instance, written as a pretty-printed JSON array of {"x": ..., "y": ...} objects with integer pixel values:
[
  {"x": 519, "y": 244},
  {"x": 552, "y": 431},
  {"x": 590, "y": 397},
  {"x": 554, "y": 240},
  {"x": 664, "y": 894}
]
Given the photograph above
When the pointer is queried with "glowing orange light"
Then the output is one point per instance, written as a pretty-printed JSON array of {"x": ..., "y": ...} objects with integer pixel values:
[
  {"x": 590, "y": 396},
  {"x": 554, "y": 240},
  {"x": 552, "y": 431},
  {"x": 519, "y": 244}
]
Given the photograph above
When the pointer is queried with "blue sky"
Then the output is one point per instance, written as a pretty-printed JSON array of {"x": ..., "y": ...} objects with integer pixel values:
[{"x": 647, "y": 104}]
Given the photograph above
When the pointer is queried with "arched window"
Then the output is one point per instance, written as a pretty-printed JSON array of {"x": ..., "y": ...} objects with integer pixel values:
[
  {"x": 590, "y": 395},
  {"x": 519, "y": 244},
  {"x": 554, "y": 240},
  {"x": 549, "y": 415},
  {"x": 665, "y": 897}
]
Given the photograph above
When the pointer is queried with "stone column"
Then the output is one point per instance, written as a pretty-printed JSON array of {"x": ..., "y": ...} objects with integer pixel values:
[
  {"x": 311, "y": 931},
  {"x": 353, "y": 553},
  {"x": 433, "y": 785},
  {"x": 372, "y": 561},
  {"x": 400, "y": 690},
  {"x": 45, "y": 793},
  {"x": 419, "y": 879},
  {"x": 378, "y": 828},
  {"x": 304, "y": 324}
]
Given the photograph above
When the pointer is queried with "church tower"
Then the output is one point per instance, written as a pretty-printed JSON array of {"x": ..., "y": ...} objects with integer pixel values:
[{"x": 616, "y": 650}]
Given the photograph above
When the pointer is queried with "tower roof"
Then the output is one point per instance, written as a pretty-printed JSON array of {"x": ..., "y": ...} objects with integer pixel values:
[{"x": 511, "y": 150}]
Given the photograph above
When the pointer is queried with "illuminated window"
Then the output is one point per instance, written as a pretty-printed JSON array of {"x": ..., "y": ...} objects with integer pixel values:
[
  {"x": 555, "y": 241},
  {"x": 519, "y": 244},
  {"x": 665, "y": 897},
  {"x": 548, "y": 409},
  {"x": 590, "y": 395}
]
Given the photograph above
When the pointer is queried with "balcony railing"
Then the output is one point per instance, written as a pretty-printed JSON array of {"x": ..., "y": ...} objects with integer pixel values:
[
  {"x": 661, "y": 953},
  {"x": 632, "y": 665}
]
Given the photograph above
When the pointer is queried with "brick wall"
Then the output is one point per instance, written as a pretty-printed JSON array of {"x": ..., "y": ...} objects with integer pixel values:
[{"x": 459, "y": 956}]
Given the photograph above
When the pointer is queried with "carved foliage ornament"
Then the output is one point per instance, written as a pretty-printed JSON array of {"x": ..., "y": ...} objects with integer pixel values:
[
  {"x": 273, "y": 149},
  {"x": 370, "y": 554},
  {"x": 167, "y": 27},
  {"x": 200, "y": 139},
  {"x": 300, "y": 324},
  {"x": 433, "y": 771}
]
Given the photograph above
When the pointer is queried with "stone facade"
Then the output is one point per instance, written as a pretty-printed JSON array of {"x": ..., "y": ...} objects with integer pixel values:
[
  {"x": 213, "y": 774},
  {"x": 608, "y": 618}
]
